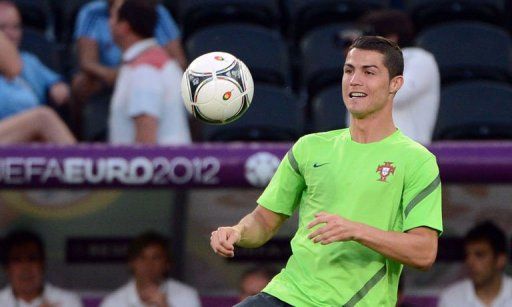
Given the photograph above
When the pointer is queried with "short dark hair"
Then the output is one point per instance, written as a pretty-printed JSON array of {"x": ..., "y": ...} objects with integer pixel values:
[
  {"x": 141, "y": 15},
  {"x": 393, "y": 57},
  {"x": 18, "y": 238},
  {"x": 388, "y": 22},
  {"x": 146, "y": 239},
  {"x": 489, "y": 232}
]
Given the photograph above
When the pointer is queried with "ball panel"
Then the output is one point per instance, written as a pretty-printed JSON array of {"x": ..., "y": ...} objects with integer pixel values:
[{"x": 217, "y": 88}]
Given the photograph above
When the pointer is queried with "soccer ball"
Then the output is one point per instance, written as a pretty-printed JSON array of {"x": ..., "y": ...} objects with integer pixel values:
[{"x": 217, "y": 88}]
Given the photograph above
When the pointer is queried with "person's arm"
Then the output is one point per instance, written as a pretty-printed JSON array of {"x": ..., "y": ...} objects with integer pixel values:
[
  {"x": 88, "y": 58},
  {"x": 146, "y": 129},
  {"x": 10, "y": 61},
  {"x": 252, "y": 231},
  {"x": 416, "y": 248},
  {"x": 175, "y": 49}
]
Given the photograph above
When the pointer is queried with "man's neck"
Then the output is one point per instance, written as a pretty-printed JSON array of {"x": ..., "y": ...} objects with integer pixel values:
[
  {"x": 369, "y": 130},
  {"x": 129, "y": 41},
  {"x": 28, "y": 296},
  {"x": 487, "y": 293}
]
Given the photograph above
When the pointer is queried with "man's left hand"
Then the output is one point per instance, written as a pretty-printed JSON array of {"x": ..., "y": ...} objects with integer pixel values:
[{"x": 335, "y": 228}]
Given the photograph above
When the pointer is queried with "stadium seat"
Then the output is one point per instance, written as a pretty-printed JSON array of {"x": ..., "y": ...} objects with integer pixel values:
[
  {"x": 475, "y": 110},
  {"x": 48, "y": 52},
  {"x": 305, "y": 15},
  {"x": 196, "y": 14},
  {"x": 328, "y": 110},
  {"x": 469, "y": 50},
  {"x": 261, "y": 49},
  {"x": 37, "y": 15},
  {"x": 323, "y": 54},
  {"x": 274, "y": 115},
  {"x": 425, "y": 13}
]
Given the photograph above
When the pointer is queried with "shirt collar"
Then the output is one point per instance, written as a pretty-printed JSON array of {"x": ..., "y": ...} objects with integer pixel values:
[
  {"x": 136, "y": 49},
  {"x": 35, "y": 302}
]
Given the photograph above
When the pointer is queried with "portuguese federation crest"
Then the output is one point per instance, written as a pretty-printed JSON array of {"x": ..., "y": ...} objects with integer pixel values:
[{"x": 385, "y": 170}]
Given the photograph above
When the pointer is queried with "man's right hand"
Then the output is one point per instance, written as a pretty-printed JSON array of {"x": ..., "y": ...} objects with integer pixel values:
[{"x": 223, "y": 241}]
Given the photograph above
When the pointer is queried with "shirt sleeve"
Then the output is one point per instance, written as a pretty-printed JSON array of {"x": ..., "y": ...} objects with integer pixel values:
[
  {"x": 146, "y": 92},
  {"x": 166, "y": 28},
  {"x": 284, "y": 191},
  {"x": 85, "y": 24},
  {"x": 422, "y": 197},
  {"x": 41, "y": 77}
]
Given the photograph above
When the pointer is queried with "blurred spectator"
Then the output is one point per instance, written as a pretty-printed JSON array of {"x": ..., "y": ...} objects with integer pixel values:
[
  {"x": 149, "y": 261},
  {"x": 36, "y": 84},
  {"x": 417, "y": 102},
  {"x": 98, "y": 55},
  {"x": 254, "y": 280},
  {"x": 21, "y": 119},
  {"x": 146, "y": 106},
  {"x": 24, "y": 258},
  {"x": 10, "y": 61},
  {"x": 485, "y": 247}
]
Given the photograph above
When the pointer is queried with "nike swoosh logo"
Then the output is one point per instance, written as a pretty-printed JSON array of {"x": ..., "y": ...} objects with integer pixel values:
[{"x": 320, "y": 164}]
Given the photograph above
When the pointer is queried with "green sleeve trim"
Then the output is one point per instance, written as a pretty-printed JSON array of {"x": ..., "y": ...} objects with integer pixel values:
[
  {"x": 426, "y": 191},
  {"x": 293, "y": 162},
  {"x": 366, "y": 288}
]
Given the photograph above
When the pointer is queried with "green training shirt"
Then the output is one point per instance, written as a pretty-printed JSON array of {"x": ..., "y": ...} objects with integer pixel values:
[{"x": 392, "y": 185}]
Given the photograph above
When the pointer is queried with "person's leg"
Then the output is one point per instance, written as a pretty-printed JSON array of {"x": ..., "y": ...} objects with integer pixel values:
[
  {"x": 262, "y": 299},
  {"x": 39, "y": 124}
]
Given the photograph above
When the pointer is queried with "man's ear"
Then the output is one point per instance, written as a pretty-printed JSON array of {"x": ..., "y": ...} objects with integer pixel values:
[
  {"x": 501, "y": 261},
  {"x": 395, "y": 84}
]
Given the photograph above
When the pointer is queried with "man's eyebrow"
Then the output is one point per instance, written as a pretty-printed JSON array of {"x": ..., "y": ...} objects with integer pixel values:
[{"x": 364, "y": 66}]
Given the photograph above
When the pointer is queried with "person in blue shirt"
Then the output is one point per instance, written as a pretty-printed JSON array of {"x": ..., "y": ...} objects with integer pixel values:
[
  {"x": 36, "y": 84},
  {"x": 36, "y": 124},
  {"x": 99, "y": 57}
]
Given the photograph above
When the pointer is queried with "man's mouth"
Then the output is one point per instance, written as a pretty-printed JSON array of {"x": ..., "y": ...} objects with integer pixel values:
[{"x": 357, "y": 94}]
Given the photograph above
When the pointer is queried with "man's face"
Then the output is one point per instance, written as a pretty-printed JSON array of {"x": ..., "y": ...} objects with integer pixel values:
[
  {"x": 151, "y": 264},
  {"x": 25, "y": 269},
  {"x": 482, "y": 263},
  {"x": 10, "y": 23},
  {"x": 366, "y": 85},
  {"x": 115, "y": 24}
]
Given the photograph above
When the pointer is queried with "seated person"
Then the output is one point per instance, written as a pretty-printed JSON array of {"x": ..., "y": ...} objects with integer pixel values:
[
  {"x": 98, "y": 55},
  {"x": 33, "y": 124},
  {"x": 24, "y": 260},
  {"x": 36, "y": 84},
  {"x": 254, "y": 280},
  {"x": 146, "y": 106},
  {"x": 149, "y": 261},
  {"x": 485, "y": 247}
]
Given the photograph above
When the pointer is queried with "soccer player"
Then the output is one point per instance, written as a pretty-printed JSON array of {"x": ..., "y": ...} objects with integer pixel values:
[{"x": 369, "y": 199}]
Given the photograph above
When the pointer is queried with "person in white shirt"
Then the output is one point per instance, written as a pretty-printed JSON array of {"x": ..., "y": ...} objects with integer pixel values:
[
  {"x": 146, "y": 106},
  {"x": 149, "y": 262},
  {"x": 417, "y": 103},
  {"x": 24, "y": 264},
  {"x": 485, "y": 247}
]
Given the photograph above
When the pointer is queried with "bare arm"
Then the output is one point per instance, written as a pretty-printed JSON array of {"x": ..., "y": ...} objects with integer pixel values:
[
  {"x": 146, "y": 128},
  {"x": 175, "y": 50},
  {"x": 416, "y": 248},
  {"x": 10, "y": 61},
  {"x": 253, "y": 230},
  {"x": 88, "y": 58}
]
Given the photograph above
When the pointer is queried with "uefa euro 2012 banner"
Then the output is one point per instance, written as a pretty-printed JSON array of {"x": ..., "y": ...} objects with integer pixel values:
[{"x": 208, "y": 165}]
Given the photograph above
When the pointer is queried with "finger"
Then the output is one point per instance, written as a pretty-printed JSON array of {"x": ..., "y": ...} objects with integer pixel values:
[
  {"x": 321, "y": 213},
  {"x": 317, "y": 232},
  {"x": 225, "y": 239},
  {"x": 318, "y": 220},
  {"x": 218, "y": 246}
]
